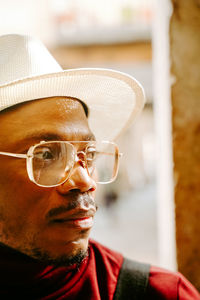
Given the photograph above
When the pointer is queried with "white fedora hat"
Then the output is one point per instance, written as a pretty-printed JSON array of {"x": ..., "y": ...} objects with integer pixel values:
[{"x": 28, "y": 72}]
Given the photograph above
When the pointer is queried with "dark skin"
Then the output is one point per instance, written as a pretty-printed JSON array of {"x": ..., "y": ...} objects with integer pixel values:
[{"x": 28, "y": 213}]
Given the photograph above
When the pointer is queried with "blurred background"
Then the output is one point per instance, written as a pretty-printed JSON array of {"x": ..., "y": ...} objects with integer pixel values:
[{"x": 136, "y": 213}]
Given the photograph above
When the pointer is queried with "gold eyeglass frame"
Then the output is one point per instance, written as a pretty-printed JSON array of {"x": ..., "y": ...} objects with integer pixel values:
[{"x": 29, "y": 158}]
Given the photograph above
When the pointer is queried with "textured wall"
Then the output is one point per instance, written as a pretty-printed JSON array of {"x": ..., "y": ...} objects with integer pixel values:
[{"x": 185, "y": 67}]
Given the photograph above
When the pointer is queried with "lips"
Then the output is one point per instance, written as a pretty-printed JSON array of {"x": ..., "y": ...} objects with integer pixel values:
[
  {"x": 79, "y": 219},
  {"x": 83, "y": 222}
]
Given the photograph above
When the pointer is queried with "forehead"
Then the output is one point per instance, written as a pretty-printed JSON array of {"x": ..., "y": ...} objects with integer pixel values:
[{"x": 50, "y": 118}]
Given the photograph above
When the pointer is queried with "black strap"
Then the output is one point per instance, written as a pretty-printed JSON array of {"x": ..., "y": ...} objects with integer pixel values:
[{"x": 132, "y": 281}]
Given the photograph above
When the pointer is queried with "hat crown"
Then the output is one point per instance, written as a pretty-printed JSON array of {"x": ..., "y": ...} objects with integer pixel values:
[{"x": 24, "y": 56}]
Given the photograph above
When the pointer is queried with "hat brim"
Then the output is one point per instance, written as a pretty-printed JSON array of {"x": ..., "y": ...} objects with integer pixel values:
[{"x": 114, "y": 98}]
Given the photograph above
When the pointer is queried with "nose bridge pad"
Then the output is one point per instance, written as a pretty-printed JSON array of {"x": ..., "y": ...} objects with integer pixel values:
[{"x": 81, "y": 159}]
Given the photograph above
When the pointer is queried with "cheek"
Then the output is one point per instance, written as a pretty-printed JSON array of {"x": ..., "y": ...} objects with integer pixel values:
[
  {"x": 95, "y": 177},
  {"x": 19, "y": 197},
  {"x": 12, "y": 170}
]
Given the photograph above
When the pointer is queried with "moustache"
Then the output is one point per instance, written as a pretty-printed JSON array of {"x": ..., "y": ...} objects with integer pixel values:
[{"x": 76, "y": 200}]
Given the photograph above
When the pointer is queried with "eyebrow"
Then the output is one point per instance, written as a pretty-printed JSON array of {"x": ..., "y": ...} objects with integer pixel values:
[{"x": 51, "y": 136}]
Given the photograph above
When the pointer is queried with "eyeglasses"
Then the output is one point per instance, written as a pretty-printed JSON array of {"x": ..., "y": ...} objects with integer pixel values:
[{"x": 50, "y": 164}]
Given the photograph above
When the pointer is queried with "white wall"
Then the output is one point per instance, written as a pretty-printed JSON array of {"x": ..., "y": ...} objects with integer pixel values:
[
  {"x": 27, "y": 17},
  {"x": 162, "y": 105}
]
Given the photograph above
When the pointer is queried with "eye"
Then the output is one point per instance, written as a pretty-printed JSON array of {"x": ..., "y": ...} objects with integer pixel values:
[
  {"x": 44, "y": 153},
  {"x": 91, "y": 153}
]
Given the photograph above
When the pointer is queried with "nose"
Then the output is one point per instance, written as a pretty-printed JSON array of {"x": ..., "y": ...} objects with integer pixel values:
[{"x": 79, "y": 179}]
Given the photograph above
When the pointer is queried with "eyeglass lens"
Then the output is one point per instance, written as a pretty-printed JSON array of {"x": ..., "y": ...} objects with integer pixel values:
[{"x": 53, "y": 162}]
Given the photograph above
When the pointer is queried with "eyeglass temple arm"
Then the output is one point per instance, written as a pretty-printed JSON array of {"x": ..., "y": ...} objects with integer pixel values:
[
  {"x": 26, "y": 156},
  {"x": 119, "y": 154},
  {"x": 14, "y": 154}
]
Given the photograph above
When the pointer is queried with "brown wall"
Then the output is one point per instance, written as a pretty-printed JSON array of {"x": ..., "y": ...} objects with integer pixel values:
[
  {"x": 185, "y": 66},
  {"x": 80, "y": 56}
]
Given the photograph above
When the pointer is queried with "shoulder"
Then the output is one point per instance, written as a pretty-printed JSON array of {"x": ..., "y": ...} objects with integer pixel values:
[
  {"x": 164, "y": 284},
  {"x": 105, "y": 265}
]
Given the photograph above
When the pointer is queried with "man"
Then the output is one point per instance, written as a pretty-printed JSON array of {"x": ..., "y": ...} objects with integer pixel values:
[{"x": 51, "y": 158}]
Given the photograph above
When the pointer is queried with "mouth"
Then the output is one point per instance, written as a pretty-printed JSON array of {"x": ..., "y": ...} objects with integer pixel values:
[
  {"x": 82, "y": 223},
  {"x": 79, "y": 220},
  {"x": 78, "y": 213}
]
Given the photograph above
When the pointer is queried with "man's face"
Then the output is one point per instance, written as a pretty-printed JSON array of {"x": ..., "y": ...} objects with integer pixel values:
[{"x": 45, "y": 223}]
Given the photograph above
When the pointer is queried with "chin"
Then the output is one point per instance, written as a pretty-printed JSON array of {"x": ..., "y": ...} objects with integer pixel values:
[{"x": 72, "y": 252}]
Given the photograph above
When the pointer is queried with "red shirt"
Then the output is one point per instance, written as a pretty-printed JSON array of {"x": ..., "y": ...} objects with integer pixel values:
[{"x": 95, "y": 279}]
